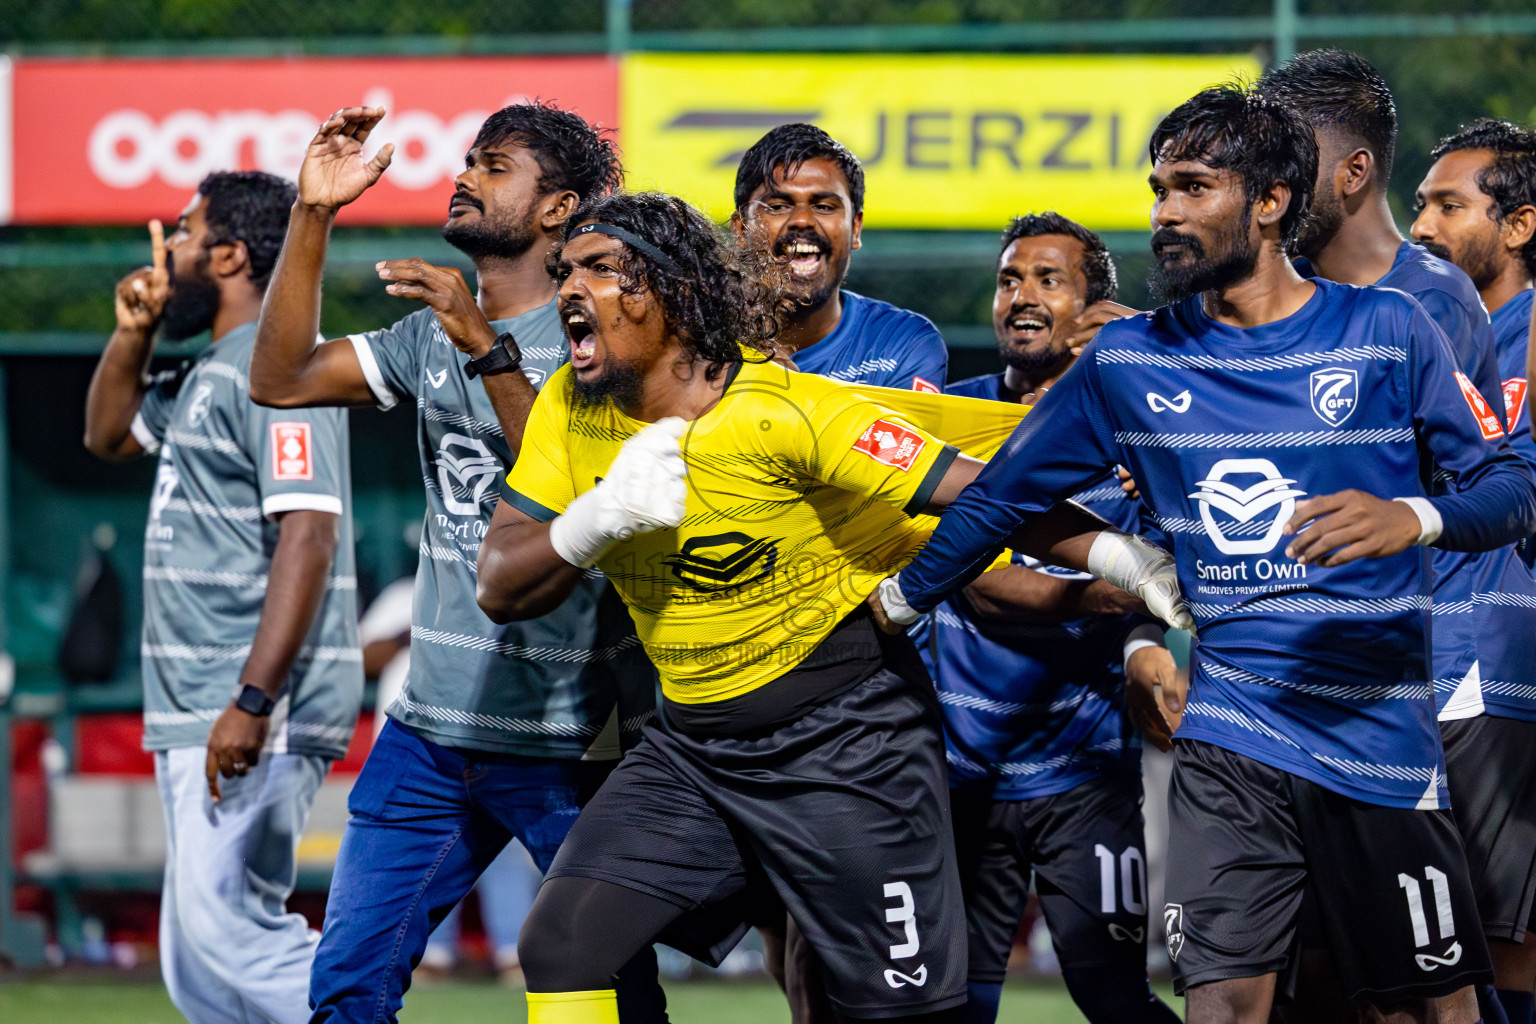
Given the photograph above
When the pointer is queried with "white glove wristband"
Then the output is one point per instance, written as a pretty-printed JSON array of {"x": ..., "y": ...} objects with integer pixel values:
[
  {"x": 895, "y": 602},
  {"x": 576, "y": 536},
  {"x": 644, "y": 490},
  {"x": 1430, "y": 523},
  {"x": 1148, "y": 634},
  {"x": 1144, "y": 569}
]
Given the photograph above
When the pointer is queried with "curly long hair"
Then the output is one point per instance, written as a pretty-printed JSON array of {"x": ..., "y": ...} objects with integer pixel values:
[{"x": 711, "y": 295}]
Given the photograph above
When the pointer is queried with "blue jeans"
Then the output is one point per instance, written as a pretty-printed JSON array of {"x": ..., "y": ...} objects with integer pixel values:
[{"x": 425, "y": 822}]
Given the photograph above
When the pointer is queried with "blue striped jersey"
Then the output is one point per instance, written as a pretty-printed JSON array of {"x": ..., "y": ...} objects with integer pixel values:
[
  {"x": 880, "y": 344},
  {"x": 1032, "y": 708},
  {"x": 1321, "y": 672},
  {"x": 1495, "y": 604}
]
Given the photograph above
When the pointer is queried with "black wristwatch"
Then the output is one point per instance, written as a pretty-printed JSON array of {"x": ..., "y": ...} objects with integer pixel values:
[
  {"x": 253, "y": 702},
  {"x": 503, "y": 356}
]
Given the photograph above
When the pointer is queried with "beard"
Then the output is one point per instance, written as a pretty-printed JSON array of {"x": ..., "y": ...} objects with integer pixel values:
[
  {"x": 1324, "y": 217},
  {"x": 1196, "y": 272},
  {"x": 808, "y": 294},
  {"x": 505, "y": 236},
  {"x": 1033, "y": 363},
  {"x": 620, "y": 383},
  {"x": 194, "y": 301},
  {"x": 1479, "y": 260}
]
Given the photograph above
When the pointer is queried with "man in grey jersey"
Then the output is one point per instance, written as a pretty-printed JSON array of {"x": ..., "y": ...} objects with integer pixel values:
[
  {"x": 249, "y": 592},
  {"x": 500, "y": 731}
]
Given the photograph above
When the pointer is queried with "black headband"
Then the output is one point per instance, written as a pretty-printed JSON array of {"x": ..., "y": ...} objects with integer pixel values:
[{"x": 632, "y": 240}]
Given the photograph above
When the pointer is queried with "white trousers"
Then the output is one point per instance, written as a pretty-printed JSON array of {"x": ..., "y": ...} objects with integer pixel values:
[{"x": 229, "y": 951}]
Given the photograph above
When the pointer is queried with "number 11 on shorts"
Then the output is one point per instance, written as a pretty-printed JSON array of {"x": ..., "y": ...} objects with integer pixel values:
[{"x": 1446, "y": 924}]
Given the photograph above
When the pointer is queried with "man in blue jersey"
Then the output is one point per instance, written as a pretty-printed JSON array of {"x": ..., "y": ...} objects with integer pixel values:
[
  {"x": 1477, "y": 208},
  {"x": 1308, "y": 758},
  {"x": 800, "y": 204},
  {"x": 1031, "y": 667},
  {"x": 500, "y": 732},
  {"x": 1352, "y": 239}
]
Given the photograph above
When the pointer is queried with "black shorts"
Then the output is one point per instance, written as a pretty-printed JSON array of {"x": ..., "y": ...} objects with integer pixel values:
[
  {"x": 1084, "y": 849},
  {"x": 1395, "y": 910},
  {"x": 1490, "y": 765},
  {"x": 844, "y": 812}
]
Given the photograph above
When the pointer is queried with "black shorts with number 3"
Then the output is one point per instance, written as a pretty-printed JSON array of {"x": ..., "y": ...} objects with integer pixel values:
[
  {"x": 844, "y": 812},
  {"x": 1389, "y": 887}
]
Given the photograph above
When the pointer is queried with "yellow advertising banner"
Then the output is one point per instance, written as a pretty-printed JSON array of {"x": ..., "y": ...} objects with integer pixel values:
[{"x": 947, "y": 140}]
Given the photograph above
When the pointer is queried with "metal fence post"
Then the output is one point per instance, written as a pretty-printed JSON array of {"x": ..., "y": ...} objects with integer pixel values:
[
  {"x": 1285, "y": 29},
  {"x": 616, "y": 19}
]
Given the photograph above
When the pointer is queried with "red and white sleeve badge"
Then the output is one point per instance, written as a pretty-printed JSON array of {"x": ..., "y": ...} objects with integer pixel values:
[
  {"x": 891, "y": 443},
  {"x": 1487, "y": 419},
  {"x": 919, "y": 384},
  {"x": 1514, "y": 400},
  {"x": 292, "y": 454}
]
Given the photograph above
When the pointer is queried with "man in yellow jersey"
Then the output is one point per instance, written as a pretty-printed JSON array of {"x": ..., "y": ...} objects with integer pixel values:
[{"x": 744, "y": 512}]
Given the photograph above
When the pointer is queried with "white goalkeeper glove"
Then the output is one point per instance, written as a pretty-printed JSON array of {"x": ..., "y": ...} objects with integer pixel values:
[
  {"x": 644, "y": 490},
  {"x": 1144, "y": 569}
]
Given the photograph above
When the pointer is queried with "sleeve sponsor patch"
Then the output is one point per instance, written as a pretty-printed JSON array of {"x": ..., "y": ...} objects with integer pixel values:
[
  {"x": 891, "y": 443},
  {"x": 292, "y": 453},
  {"x": 1487, "y": 419},
  {"x": 1514, "y": 400},
  {"x": 918, "y": 384}
]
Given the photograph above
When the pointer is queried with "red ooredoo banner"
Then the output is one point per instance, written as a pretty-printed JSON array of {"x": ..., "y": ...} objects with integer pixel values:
[{"x": 113, "y": 142}]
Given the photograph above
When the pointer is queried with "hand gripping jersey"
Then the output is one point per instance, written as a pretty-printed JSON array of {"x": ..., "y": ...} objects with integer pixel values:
[
  {"x": 880, "y": 344},
  {"x": 555, "y": 686},
  {"x": 228, "y": 468},
  {"x": 1323, "y": 673},
  {"x": 801, "y": 494},
  {"x": 1032, "y": 709}
]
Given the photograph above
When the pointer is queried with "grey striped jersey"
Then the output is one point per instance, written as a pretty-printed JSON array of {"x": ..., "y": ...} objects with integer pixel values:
[
  {"x": 228, "y": 467},
  {"x": 565, "y": 685}
]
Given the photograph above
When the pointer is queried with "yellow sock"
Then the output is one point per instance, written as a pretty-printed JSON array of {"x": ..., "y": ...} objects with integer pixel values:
[{"x": 600, "y": 1006}]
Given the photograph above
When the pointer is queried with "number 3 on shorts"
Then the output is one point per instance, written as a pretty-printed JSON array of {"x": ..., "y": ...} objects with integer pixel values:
[{"x": 905, "y": 914}]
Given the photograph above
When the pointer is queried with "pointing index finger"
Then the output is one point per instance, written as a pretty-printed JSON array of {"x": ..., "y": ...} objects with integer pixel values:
[{"x": 157, "y": 245}]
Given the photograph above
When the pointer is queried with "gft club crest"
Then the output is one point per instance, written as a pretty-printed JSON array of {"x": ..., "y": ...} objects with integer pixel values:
[{"x": 1335, "y": 393}]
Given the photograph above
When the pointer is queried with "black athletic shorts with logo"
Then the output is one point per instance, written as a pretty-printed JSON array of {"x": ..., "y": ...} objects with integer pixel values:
[
  {"x": 1394, "y": 907},
  {"x": 1490, "y": 766},
  {"x": 844, "y": 811},
  {"x": 1084, "y": 849}
]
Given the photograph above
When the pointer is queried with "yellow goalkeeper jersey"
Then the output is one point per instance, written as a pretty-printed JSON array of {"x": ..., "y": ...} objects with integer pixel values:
[{"x": 803, "y": 494}]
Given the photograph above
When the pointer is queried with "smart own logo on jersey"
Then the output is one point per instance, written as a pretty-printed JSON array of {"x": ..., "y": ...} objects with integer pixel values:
[
  {"x": 1335, "y": 393},
  {"x": 723, "y": 561},
  {"x": 1241, "y": 504},
  {"x": 464, "y": 465}
]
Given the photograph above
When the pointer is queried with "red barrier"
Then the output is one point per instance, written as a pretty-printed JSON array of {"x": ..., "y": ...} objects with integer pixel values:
[{"x": 120, "y": 141}]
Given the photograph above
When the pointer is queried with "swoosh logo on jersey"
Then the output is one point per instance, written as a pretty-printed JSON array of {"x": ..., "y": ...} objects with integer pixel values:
[
  {"x": 471, "y": 471},
  {"x": 1427, "y": 962},
  {"x": 1178, "y": 403},
  {"x": 896, "y": 979},
  {"x": 1245, "y": 504},
  {"x": 723, "y": 561},
  {"x": 1334, "y": 391},
  {"x": 438, "y": 379},
  {"x": 1121, "y": 934}
]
